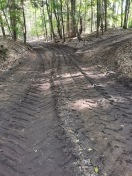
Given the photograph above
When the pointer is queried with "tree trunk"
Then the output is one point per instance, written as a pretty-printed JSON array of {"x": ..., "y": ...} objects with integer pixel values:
[
  {"x": 57, "y": 21},
  {"x": 105, "y": 5},
  {"x": 91, "y": 15},
  {"x": 24, "y": 23},
  {"x": 35, "y": 16},
  {"x": 102, "y": 17},
  {"x": 49, "y": 11},
  {"x": 79, "y": 22},
  {"x": 127, "y": 7},
  {"x": 98, "y": 15},
  {"x": 73, "y": 20},
  {"x": 81, "y": 26},
  {"x": 7, "y": 23},
  {"x": 85, "y": 14},
  {"x": 2, "y": 26},
  {"x": 13, "y": 19},
  {"x": 122, "y": 1},
  {"x": 68, "y": 19},
  {"x": 62, "y": 20},
  {"x": 46, "y": 32}
]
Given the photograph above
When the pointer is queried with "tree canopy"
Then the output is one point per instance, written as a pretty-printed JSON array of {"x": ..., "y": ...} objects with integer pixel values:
[{"x": 52, "y": 19}]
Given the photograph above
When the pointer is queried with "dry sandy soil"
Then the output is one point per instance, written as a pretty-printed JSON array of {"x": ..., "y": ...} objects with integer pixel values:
[{"x": 63, "y": 111}]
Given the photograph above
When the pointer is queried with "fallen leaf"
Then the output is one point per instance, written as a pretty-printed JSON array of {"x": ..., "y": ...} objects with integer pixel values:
[
  {"x": 90, "y": 149},
  {"x": 96, "y": 170}
]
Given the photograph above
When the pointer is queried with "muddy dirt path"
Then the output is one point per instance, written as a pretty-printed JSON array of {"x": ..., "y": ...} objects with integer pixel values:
[
  {"x": 61, "y": 117},
  {"x": 31, "y": 142}
]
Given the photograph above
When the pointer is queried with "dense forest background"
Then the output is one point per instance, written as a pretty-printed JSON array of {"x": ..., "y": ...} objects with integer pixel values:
[{"x": 59, "y": 19}]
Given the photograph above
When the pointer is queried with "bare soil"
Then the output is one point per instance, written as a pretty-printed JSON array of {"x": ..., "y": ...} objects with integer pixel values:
[{"x": 64, "y": 115}]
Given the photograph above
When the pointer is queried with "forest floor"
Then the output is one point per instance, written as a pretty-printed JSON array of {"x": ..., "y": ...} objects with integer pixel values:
[{"x": 66, "y": 110}]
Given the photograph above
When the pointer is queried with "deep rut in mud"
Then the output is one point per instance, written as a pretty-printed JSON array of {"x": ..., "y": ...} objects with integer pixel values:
[{"x": 60, "y": 117}]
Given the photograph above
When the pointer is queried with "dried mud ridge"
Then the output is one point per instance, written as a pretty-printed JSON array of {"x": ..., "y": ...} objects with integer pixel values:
[{"x": 61, "y": 117}]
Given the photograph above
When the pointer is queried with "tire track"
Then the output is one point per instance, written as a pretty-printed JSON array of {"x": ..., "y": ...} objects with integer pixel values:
[
  {"x": 31, "y": 137},
  {"x": 107, "y": 118},
  {"x": 65, "y": 121}
]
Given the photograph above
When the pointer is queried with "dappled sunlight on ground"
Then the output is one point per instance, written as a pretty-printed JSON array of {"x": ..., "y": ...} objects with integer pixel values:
[
  {"x": 45, "y": 86},
  {"x": 84, "y": 104},
  {"x": 66, "y": 105}
]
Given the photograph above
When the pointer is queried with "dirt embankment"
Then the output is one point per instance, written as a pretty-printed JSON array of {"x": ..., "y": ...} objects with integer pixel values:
[
  {"x": 112, "y": 51},
  {"x": 12, "y": 54}
]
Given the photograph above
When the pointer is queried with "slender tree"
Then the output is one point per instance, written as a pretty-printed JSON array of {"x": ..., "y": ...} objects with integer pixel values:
[
  {"x": 98, "y": 15},
  {"x": 68, "y": 18},
  {"x": 122, "y": 1},
  {"x": 49, "y": 11},
  {"x": 105, "y": 6},
  {"x": 62, "y": 20},
  {"x": 91, "y": 15},
  {"x": 127, "y": 8},
  {"x": 2, "y": 25},
  {"x": 24, "y": 22},
  {"x": 13, "y": 18},
  {"x": 73, "y": 19},
  {"x": 44, "y": 22},
  {"x": 58, "y": 20}
]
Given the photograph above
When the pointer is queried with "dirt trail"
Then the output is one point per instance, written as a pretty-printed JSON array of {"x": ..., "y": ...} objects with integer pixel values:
[
  {"x": 61, "y": 117},
  {"x": 31, "y": 136}
]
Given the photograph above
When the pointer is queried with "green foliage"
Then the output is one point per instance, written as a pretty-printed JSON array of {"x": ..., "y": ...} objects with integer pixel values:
[
  {"x": 41, "y": 13},
  {"x": 130, "y": 24}
]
